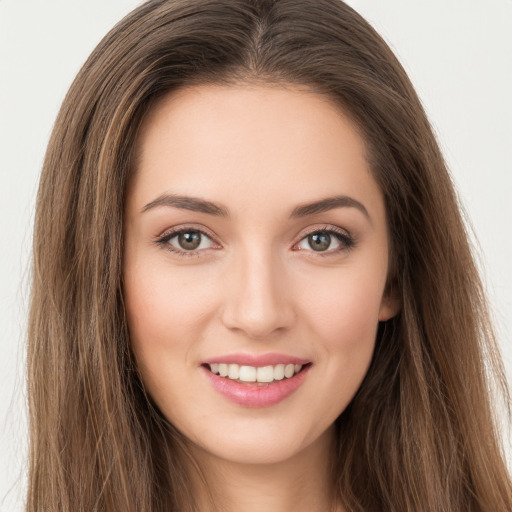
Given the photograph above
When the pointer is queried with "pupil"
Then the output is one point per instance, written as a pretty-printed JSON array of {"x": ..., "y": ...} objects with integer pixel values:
[
  {"x": 319, "y": 241},
  {"x": 189, "y": 240}
]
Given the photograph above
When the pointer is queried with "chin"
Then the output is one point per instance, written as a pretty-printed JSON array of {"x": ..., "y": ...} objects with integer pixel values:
[{"x": 261, "y": 445}]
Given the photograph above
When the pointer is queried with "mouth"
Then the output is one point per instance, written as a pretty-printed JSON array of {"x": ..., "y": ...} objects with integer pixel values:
[
  {"x": 268, "y": 383},
  {"x": 256, "y": 375}
]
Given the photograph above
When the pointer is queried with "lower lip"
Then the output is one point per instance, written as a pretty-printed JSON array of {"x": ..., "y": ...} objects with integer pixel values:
[{"x": 253, "y": 395}]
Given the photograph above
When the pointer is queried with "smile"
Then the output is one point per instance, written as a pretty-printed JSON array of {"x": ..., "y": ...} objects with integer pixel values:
[
  {"x": 256, "y": 385},
  {"x": 259, "y": 374}
]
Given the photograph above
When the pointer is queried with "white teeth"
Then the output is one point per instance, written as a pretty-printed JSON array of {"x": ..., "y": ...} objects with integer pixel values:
[
  {"x": 263, "y": 374},
  {"x": 234, "y": 371},
  {"x": 247, "y": 373},
  {"x": 279, "y": 372},
  {"x": 289, "y": 370}
]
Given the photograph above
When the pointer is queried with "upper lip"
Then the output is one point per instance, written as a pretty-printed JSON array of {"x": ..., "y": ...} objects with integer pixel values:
[{"x": 270, "y": 359}]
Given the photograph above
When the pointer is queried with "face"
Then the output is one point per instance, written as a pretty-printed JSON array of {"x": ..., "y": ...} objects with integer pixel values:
[{"x": 256, "y": 246}]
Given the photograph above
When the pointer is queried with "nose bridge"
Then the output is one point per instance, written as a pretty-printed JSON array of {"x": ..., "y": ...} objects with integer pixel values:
[{"x": 258, "y": 301}]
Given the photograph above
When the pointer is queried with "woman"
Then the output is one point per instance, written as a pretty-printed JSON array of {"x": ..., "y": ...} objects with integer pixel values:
[{"x": 252, "y": 284}]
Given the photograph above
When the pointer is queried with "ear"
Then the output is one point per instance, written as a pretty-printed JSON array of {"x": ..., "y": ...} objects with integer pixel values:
[{"x": 390, "y": 304}]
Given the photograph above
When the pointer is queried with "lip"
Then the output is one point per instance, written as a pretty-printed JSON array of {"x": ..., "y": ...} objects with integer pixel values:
[
  {"x": 256, "y": 395},
  {"x": 270, "y": 359}
]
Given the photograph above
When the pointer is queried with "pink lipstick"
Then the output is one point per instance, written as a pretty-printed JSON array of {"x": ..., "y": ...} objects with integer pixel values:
[{"x": 256, "y": 380}]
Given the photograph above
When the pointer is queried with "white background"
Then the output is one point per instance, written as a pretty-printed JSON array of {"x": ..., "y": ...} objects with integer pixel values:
[{"x": 457, "y": 52}]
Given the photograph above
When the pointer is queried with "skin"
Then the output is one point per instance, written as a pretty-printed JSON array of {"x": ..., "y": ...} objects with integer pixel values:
[{"x": 255, "y": 285}]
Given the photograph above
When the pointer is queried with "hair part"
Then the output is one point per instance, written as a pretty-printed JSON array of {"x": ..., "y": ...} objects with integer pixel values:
[{"x": 420, "y": 433}]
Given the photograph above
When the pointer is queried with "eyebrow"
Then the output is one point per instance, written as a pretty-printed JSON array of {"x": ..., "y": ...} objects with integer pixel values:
[
  {"x": 187, "y": 203},
  {"x": 329, "y": 203},
  {"x": 208, "y": 207}
]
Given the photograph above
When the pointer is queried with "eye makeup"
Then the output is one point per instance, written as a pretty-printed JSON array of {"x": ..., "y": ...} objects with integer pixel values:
[
  {"x": 191, "y": 240},
  {"x": 188, "y": 241},
  {"x": 321, "y": 240}
]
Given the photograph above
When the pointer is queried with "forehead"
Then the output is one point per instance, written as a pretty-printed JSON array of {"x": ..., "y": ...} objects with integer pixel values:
[{"x": 243, "y": 144}]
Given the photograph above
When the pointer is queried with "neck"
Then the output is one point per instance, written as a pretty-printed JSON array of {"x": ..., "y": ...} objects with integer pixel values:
[{"x": 302, "y": 483}]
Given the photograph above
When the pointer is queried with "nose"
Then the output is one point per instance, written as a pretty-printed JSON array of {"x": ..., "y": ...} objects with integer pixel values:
[{"x": 258, "y": 302}]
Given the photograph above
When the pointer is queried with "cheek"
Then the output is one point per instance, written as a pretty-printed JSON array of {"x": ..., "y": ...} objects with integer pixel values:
[
  {"x": 157, "y": 296},
  {"x": 166, "y": 314},
  {"x": 341, "y": 318},
  {"x": 165, "y": 311},
  {"x": 344, "y": 312}
]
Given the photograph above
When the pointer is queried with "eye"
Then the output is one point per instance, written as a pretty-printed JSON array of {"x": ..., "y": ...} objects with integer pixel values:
[
  {"x": 325, "y": 240},
  {"x": 186, "y": 241}
]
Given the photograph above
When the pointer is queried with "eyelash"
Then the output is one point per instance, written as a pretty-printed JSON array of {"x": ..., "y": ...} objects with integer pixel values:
[
  {"x": 346, "y": 240},
  {"x": 163, "y": 241}
]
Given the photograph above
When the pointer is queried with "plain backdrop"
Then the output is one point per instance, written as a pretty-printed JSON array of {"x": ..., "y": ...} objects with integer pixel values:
[{"x": 458, "y": 54}]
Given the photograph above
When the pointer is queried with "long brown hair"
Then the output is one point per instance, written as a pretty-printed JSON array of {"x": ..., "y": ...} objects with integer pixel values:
[{"x": 420, "y": 433}]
